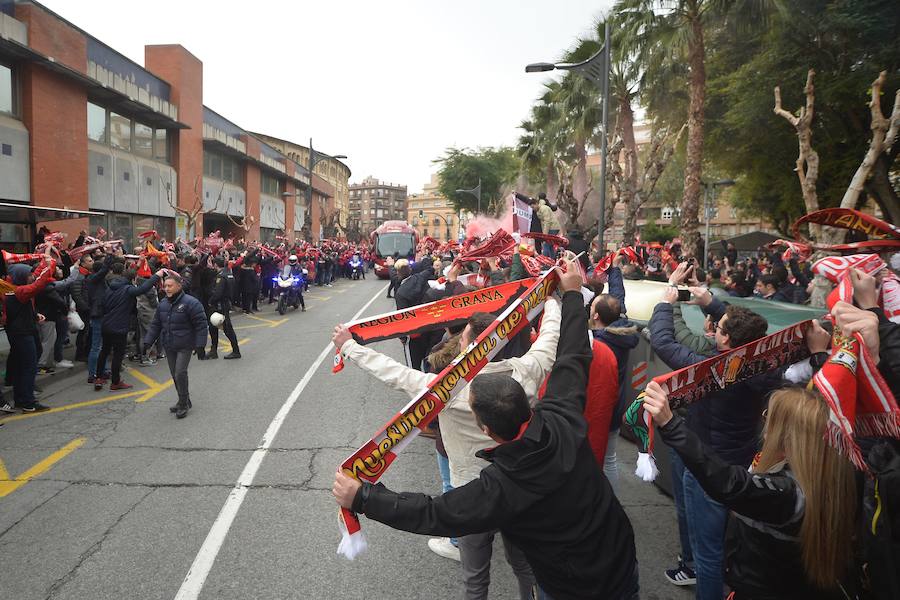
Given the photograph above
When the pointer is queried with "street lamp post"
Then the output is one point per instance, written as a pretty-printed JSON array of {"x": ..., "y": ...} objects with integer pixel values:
[
  {"x": 708, "y": 205},
  {"x": 596, "y": 70},
  {"x": 314, "y": 159},
  {"x": 475, "y": 191}
]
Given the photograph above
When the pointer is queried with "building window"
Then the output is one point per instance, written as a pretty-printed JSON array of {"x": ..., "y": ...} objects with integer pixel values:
[
  {"x": 667, "y": 213},
  {"x": 119, "y": 131},
  {"x": 7, "y": 90},
  {"x": 143, "y": 140},
  {"x": 270, "y": 185},
  {"x": 6, "y": 149},
  {"x": 161, "y": 145},
  {"x": 96, "y": 123}
]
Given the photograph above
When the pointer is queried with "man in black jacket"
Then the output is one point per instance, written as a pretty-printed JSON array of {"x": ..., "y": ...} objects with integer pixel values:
[
  {"x": 220, "y": 302},
  {"x": 78, "y": 290},
  {"x": 119, "y": 304},
  {"x": 411, "y": 292},
  {"x": 96, "y": 289},
  {"x": 180, "y": 322},
  {"x": 543, "y": 490}
]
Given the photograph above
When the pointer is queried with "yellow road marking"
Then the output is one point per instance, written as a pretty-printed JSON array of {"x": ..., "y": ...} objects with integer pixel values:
[
  {"x": 255, "y": 318},
  {"x": 102, "y": 400},
  {"x": 8, "y": 486},
  {"x": 251, "y": 326},
  {"x": 150, "y": 383},
  {"x": 226, "y": 345},
  {"x": 147, "y": 394}
]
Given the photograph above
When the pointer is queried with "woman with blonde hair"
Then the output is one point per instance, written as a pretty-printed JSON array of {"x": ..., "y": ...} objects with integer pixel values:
[{"x": 793, "y": 513}]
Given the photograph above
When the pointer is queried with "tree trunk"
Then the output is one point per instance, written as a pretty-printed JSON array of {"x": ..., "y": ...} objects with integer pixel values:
[
  {"x": 881, "y": 190},
  {"x": 552, "y": 181},
  {"x": 690, "y": 201},
  {"x": 630, "y": 175}
]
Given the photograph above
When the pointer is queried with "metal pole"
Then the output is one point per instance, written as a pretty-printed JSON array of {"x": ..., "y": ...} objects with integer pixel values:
[
  {"x": 706, "y": 241},
  {"x": 309, "y": 194},
  {"x": 601, "y": 223}
]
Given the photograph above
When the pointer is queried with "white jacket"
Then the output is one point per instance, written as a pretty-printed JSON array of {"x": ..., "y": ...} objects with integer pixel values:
[{"x": 461, "y": 435}]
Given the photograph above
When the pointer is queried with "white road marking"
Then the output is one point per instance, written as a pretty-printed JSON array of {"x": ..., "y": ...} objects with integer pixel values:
[{"x": 196, "y": 576}]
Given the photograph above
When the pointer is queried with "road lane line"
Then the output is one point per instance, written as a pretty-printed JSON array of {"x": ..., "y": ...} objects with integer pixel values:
[
  {"x": 71, "y": 406},
  {"x": 10, "y": 485},
  {"x": 147, "y": 394},
  {"x": 150, "y": 383},
  {"x": 196, "y": 576}
]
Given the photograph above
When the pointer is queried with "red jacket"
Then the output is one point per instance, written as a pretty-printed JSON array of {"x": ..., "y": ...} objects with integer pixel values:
[{"x": 602, "y": 396}]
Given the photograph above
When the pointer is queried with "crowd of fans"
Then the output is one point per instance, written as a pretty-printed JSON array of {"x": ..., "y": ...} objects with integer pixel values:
[
  {"x": 766, "y": 507},
  {"x": 109, "y": 303}
]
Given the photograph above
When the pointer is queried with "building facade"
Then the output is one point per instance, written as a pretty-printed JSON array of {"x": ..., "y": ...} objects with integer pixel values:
[
  {"x": 83, "y": 127},
  {"x": 332, "y": 170},
  {"x": 439, "y": 219},
  {"x": 372, "y": 202}
]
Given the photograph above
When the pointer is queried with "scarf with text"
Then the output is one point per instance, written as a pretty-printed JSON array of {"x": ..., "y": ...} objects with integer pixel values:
[
  {"x": 372, "y": 459},
  {"x": 443, "y": 313},
  {"x": 690, "y": 384}
]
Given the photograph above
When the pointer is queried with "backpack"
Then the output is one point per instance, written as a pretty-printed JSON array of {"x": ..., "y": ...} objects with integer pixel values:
[{"x": 880, "y": 535}]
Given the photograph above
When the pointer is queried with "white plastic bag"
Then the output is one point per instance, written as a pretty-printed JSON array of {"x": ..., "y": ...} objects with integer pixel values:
[{"x": 75, "y": 322}]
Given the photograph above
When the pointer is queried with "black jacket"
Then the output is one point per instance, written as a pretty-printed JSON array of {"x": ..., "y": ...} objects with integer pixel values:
[
  {"x": 96, "y": 288},
  {"x": 79, "y": 293},
  {"x": 412, "y": 290},
  {"x": 180, "y": 323},
  {"x": 543, "y": 490},
  {"x": 889, "y": 349},
  {"x": 762, "y": 550},
  {"x": 726, "y": 420},
  {"x": 222, "y": 290},
  {"x": 50, "y": 304},
  {"x": 120, "y": 301},
  {"x": 578, "y": 245}
]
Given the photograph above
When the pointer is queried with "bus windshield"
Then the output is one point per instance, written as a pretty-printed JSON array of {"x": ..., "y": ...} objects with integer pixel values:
[{"x": 398, "y": 242}]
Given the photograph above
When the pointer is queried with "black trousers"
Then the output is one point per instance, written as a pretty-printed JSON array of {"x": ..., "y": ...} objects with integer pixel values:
[
  {"x": 83, "y": 339},
  {"x": 228, "y": 329},
  {"x": 113, "y": 343}
]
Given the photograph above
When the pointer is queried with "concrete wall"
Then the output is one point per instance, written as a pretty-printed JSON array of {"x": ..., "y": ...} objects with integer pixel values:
[
  {"x": 233, "y": 202},
  {"x": 14, "y": 163},
  {"x": 122, "y": 182}
]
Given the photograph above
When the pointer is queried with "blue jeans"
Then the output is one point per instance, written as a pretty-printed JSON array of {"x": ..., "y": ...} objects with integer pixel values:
[
  {"x": 706, "y": 521},
  {"x": 610, "y": 462},
  {"x": 547, "y": 247},
  {"x": 678, "y": 493},
  {"x": 21, "y": 367},
  {"x": 96, "y": 343},
  {"x": 444, "y": 468}
]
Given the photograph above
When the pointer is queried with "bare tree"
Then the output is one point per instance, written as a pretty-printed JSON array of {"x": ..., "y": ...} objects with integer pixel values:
[
  {"x": 196, "y": 209},
  {"x": 631, "y": 186},
  {"x": 881, "y": 151},
  {"x": 808, "y": 160},
  {"x": 246, "y": 223},
  {"x": 570, "y": 201}
]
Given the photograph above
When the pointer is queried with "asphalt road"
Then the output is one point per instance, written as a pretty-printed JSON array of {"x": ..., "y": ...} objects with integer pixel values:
[{"x": 108, "y": 496}]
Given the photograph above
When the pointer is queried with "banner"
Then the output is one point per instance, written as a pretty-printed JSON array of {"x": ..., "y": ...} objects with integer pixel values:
[
  {"x": 690, "y": 384},
  {"x": 847, "y": 218},
  {"x": 371, "y": 460},
  {"x": 521, "y": 216}
]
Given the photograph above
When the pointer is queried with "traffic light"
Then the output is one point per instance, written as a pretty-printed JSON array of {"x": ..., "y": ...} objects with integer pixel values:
[{"x": 421, "y": 214}]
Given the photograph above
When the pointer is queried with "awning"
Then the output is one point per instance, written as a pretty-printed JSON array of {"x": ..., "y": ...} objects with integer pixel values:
[{"x": 11, "y": 212}]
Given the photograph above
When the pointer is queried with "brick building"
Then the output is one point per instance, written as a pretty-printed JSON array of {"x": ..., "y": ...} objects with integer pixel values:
[
  {"x": 373, "y": 202},
  {"x": 83, "y": 127},
  {"x": 439, "y": 219}
]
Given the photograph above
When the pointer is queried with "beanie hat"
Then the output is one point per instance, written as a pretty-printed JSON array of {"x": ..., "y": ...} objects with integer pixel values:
[{"x": 18, "y": 274}]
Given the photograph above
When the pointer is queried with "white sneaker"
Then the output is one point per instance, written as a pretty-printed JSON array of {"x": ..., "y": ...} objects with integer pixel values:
[
  {"x": 443, "y": 547},
  {"x": 65, "y": 364}
]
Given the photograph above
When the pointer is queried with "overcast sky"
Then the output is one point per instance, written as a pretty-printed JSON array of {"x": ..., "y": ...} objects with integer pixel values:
[{"x": 389, "y": 83}]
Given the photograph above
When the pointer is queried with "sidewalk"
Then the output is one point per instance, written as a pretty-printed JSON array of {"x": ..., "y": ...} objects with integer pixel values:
[{"x": 42, "y": 378}]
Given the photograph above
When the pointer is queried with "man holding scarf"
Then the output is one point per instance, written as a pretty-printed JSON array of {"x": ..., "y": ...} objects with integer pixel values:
[{"x": 543, "y": 489}]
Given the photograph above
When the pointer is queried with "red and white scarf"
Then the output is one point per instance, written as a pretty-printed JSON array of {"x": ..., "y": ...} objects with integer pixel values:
[{"x": 374, "y": 457}]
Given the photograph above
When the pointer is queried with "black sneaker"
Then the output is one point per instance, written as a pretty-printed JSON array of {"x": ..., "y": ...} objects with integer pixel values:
[
  {"x": 232, "y": 355},
  {"x": 35, "y": 408},
  {"x": 681, "y": 575},
  {"x": 6, "y": 407}
]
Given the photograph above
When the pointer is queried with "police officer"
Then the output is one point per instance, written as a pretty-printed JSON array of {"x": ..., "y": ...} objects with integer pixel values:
[
  {"x": 294, "y": 269},
  {"x": 220, "y": 301}
]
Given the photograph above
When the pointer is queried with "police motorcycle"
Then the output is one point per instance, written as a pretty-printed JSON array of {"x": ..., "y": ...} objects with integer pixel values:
[
  {"x": 290, "y": 284},
  {"x": 356, "y": 267}
]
